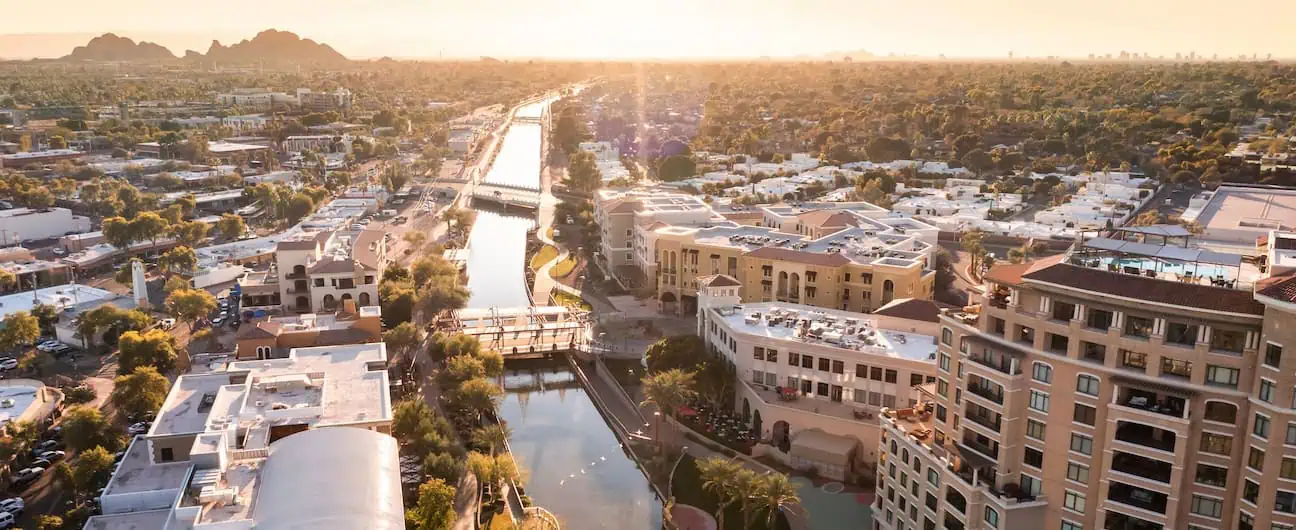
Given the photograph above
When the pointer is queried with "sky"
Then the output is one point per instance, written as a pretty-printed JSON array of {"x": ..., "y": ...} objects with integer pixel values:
[{"x": 619, "y": 29}]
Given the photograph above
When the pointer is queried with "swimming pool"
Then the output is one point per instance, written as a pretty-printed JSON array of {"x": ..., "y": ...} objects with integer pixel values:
[{"x": 831, "y": 506}]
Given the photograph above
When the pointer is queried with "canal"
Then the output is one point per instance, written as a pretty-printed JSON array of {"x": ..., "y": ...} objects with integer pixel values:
[{"x": 577, "y": 467}]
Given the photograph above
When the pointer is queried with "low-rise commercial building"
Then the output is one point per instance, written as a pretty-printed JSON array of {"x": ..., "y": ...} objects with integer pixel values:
[
  {"x": 808, "y": 376},
  {"x": 276, "y": 336},
  {"x": 320, "y": 271},
  {"x": 276, "y": 443}
]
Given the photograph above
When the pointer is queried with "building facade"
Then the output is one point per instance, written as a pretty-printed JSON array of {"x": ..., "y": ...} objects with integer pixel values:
[
  {"x": 320, "y": 271},
  {"x": 1079, "y": 397}
]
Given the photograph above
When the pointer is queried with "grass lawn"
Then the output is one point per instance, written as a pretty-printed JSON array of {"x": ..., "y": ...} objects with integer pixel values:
[
  {"x": 687, "y": 489},
  {"x": 563, "y": 268},
  {"x": 571, "y": 301},
  {"x": 543, "y": 256}
]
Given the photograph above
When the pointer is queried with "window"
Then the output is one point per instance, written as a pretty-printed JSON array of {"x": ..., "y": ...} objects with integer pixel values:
[
  {"x": 807, "y": 361},
  {"x": 861, "y": 371},
  {"x": 1215, "y": 443},
  {"x": 319, "y": 282},
  {"x": 1273, "y": 355},
  {"x": 1034, "y": 458},
  {"x": 944, "y": 362},
  {"x": 1035, "y": 429},
  {"x": 1068, "y": 525},
  {"x": 1183, "y": 334},
  {"x": 824, "y": 363},
  {"x": 875, "y": 373},
  {"x": 1039, "y": 401},
  {"x": 1138, "y": 326},
  {"x": 771, "y": 355},
  {"x": 1085, "y": 414},
  {"x": 1133, "y": 359},
  {"x": 1285, "y": 502},
  {"x": 1266, "y": 392},
  {"x": 1078, "y": 472},
  {"x": 1212, "y": 475},
  {"x": 891, "y": 376},
  {"x": 1031, "y": 485},
  {"x": 932, "y": 503},
  {"x": 167, "y": 454},
  {"x": 888, "y": 401},
  {"x": 1291, "y": 434},
  {"x": 991, "y": 517},
  {"x": 1250, "y": 491},
  {"x": 1042, "y": 372},
  {"x": 942, "y": 388},
  {"x": 1255, "y": 459},
  {"x": 1228, "y": 340},
  {"x": 838, "y": 367},
  {"x": 1246, "y": 522},
  {"x": 1100, "y": 319},
  {"x": 821, "y": 389},
  {"x": 1206, "y": 506},
  {"x": 1081, "y": 444},
  {"x": 1221, "y": 412},
  {"x": 794, "y": 359},
  {"x": 1087, "y": 384},
  {"x": 1261, "y": 426},
  {"x": 1222, "y": 376},
  {"x": 758, "y": 377},
  {"x": 1176, "y": 368},
  {"x": 758, "y": 353},
  {"x": 1063, "y": 311},
  {"x": 1073, "y": 501},
  {"x": 947, "y": 337},
  {"x": 915, "y": 379},
  {"x": 860, "y": 396},
  {"x": 933, "y": 477},
  {"x": 1287, "y": 469}
]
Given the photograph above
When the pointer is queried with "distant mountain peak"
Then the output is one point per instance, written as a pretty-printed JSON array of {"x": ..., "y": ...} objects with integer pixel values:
[{"x": 268, "y": 46}]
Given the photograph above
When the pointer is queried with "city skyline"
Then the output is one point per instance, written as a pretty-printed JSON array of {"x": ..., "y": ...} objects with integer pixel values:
[{"x": 668, "y": 29}]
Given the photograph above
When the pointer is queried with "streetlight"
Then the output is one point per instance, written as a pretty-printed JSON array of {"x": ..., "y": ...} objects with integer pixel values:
[{"x": 657, "y": 428}]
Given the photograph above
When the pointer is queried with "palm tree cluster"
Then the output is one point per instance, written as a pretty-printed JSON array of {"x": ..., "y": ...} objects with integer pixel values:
[{"x": 731, "y": 482}]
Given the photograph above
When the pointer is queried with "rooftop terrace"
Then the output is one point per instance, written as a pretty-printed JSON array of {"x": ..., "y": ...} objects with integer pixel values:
[{"x": 827, "y": 327}]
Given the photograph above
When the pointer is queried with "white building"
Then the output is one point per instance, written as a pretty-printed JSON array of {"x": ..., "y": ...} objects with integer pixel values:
[
  {"x": 26, "y": 224},
  {"x": 256, "y": 99},
  {"x": 807, "y": 376},
  {"x": 316, "y": 142},
  {"x": 245, "y": 124},
  {"x": 281, "y": 443},
  {"x": 603, "y": 151}
]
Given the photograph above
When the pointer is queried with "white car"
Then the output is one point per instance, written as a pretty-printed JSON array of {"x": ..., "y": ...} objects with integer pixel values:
[
  {"x": 8, "y": 363},
  {"x": 13, "y": 506},
  {"x": 138, "y": 428},
  {"x": 48, "y": 345},
  {"x": 58, "y": 251},
  {"x": 6, "y": 520},
  {"x": 167, "y": 323}
]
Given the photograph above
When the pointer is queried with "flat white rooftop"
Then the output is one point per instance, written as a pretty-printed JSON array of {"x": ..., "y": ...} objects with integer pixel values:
[
  {"x": 150, "y": 520},
  {"x": 137, "y": 473},
  {"x": 844, "y": 330},
  {"x": 59, "y": 296},
  {"x": 15, "y": 400},
  {"x": 1240, "y": 214}
]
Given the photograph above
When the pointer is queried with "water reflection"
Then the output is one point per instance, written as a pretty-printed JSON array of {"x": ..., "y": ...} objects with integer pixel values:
[{"x": 577, "y": 468}]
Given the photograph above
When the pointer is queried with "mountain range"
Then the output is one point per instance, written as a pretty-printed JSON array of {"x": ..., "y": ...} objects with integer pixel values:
[{"x": 269, "y": 46}]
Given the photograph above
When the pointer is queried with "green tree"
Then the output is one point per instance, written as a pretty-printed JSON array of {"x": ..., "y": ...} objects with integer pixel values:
[
  {"x": 583, "y": 175},
  {"x": 669, "y": 390},
  {"x": 153, "y": 348},
  {"x": 150, "y": 226},
  {"x": 478, "y": 396},
  {"x": 434, "y": 509},
  {"x": 85, "y": 427},
  {"x": 167, "y": 181},
  {"x": 92, "y": 469},
  {"x": 189, "y": 305},
  {"x": 678, "y": 351},
  {"x": 178, "y": 260},
  {"x": 774, "y": 495},
  {"x": 972, "y": 244},
  {"x": 443, "y": 347},
  {"x": 746, "y": 485},
  {"x": 49, "y": 522},
  {"x": 441, "y": 293},
  {"x": 231, "y": 226},
  {"x": 493, "y": 436},
  {"x": 403, "y": 337},
  {"x": 7, "y": 280},
  {"x": 718, "y": 476},
  {"x": 20, "y": 329},
  {"x": 118, "y": 232},
  {"x": 299, "y": 206},
  {"x": 676, "y": 167},
  {"x": 140, "y": 392},
  {"x": 978, "y": 161},
  {"x": 443, "y": 466},
  {"x": 47, "y": 315},
  {"x": 189, "y": 233}
]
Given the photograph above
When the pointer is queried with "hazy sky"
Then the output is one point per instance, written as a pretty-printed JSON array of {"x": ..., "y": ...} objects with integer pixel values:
[{"x": 680, "y": 28}]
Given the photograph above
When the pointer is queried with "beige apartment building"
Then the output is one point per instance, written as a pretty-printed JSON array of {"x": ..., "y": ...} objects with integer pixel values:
[
  {"x": 1112, "y": 387},
  {"x": 319, "y": 271}
]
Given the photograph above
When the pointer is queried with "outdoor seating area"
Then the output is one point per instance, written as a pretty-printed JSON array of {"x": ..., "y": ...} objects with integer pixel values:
[
  {"x": 722, "y": 426},
  {"x": 1165, "y": 262}
]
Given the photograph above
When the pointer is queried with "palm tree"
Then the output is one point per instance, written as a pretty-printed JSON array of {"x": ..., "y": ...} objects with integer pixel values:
[
  {"x": 718, "y": 478},
  {"x": 746, "y": 485},
  {"x": 668, "y": 390},
  {"x": 775, "y": 494},
  {"x": 492, "y": 436}
]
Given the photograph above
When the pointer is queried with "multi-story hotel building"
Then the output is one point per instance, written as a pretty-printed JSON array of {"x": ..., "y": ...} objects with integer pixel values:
[
  {"x": 1124, "y": 385},
  {"x": 812, "y": 380},
  {"x": 318, "y": 271},
  {"x": 847, "y": 256}
]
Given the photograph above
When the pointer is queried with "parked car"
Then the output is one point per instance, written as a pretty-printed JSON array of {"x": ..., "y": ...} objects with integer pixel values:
[
  {"x": 13, "y": 506},
  {"x": 216, "y": 322},
  {"x": 53, "y": 455},
  {"x": 6, "y": 520},
  {"x": 42, "y": 463},
  {"x": 8, "y": 363},
  {"x": 48, "y": 345},
  {"x": 46, "y": 445},
  {"x": 28, "y": 475},
  {"x": 61, "y": 350},
  {"x": 139, "y": 428},
  {"x": 167, "y": 323}
]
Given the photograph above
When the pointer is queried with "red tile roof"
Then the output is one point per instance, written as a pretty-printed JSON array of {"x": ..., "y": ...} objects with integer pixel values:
[
  {"x": 719, "y": 280},
  {"x": 1281, "y": 287},
  {"x": 1147, "y": 289},
  {"x": 811, "y": 258},
  {"x": 911, "y": 309}
]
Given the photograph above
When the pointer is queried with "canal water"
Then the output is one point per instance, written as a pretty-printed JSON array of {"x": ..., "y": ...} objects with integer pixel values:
[{"x": 577, "y": 468}]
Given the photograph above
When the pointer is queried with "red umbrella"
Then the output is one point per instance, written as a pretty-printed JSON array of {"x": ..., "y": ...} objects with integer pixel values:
[{"x": 687, "y": 411}]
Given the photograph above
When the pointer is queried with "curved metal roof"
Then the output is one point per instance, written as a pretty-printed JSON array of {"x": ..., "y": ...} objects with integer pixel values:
[{"x": 331, "y": 478}]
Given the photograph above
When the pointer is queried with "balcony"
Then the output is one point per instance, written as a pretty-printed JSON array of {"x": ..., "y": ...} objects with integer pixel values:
[
  {"x": 984, "y": 419},
  {"x": 999, "y": 362},
  {"x": 1146, "y": 436},
  {"x": 1144, "y": 401},
  {"x": 1137, "y": 497},
  {"x": 1141, "y": 466},
  {"x": 1094, "y": 353},
  {"x": 1120, "y": 521},
  {"x": 986, "y": 448},
  {"x": 994, "y": 393}
]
